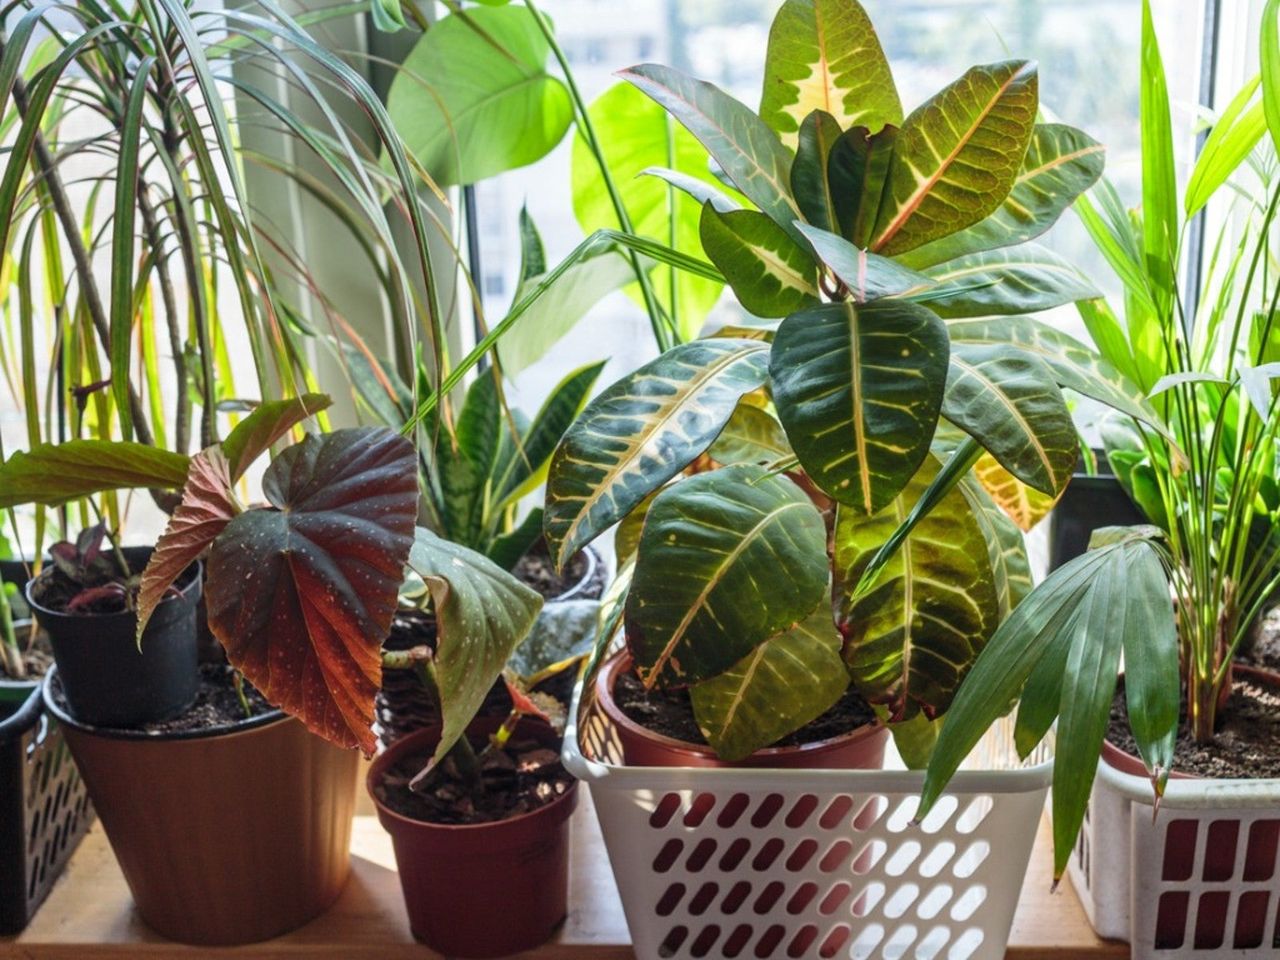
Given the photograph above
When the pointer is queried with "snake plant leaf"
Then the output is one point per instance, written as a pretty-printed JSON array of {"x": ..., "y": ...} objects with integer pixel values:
[
  {"x": 752, "y": 435},
  {"x": 770, "y": 273},
  {"x": 1061, "y": 163},
  {"x": 301, "y": 594},
  {"x": 1006, "y": 547},
  {"x": 483, "y": 613},
  {"x": 781, "y": 685},
  {"x": 1016, "y": 280},
  {"x": 463, "y": 460},
  {"x": 467, "y": 114},
  {"x": 700, "y": 190},
  {"x": 1020, "y": 503},
  {"x": 858, "y": 174},
  {"x": 909, "y": 639},
  {"x": 858, "y": 388},
  {"x": 268, "y": 422},
  {"x": 825, "y": 55},
  {"x": 52, "y": 473},
  {"x": 957, "y": 156},
  {"x": 727, "y": 559},
  {"x": 749, "y": 152},
  {"x": 868, "y": 276},
  {"x": 1008, "y": 401},
  {"x": 810, "y": 180},
  {"x": 641, "y": 432}
]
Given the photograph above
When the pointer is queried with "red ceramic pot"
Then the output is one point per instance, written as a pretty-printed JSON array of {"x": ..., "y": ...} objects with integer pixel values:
[
  {"x": 860, "y": 749},
  {"x": 481, "y": 890}
]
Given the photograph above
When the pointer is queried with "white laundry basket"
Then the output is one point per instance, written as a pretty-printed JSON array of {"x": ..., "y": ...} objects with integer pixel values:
[
  {"x": 760, "y": 863},
  {"x": 1197, "y": 881}
]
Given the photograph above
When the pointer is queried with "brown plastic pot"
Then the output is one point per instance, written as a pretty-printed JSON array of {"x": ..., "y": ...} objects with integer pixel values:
[
  {"x": 225, "y": 836},
  {"x": 860, "y": 749},
  {"x": 481, "y": 890}
]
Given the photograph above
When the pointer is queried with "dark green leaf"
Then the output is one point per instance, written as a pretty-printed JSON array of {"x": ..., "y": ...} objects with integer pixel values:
[
  {"x": 770, "y": 273},
  {"x": 1016, "y": 280},
  {"x": 1152, "y": 682},
  {"x": 810, "y": 184},
  {"x": 55, "y": 473},
  {"x": 858, "y": 173}
]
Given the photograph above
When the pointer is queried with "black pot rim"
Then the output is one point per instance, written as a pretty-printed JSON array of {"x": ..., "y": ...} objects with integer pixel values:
[
  {"x": 594, "y": 560},
  {"x": 196, "y": 585},
  {"x": 118, "y": 733},
  {"x": 27, "y": 715}
]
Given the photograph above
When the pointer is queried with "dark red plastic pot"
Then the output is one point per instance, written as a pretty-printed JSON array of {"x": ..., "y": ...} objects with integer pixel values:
[
  {"x": 482, "y": 890},
  {"x": 860, "y": 749}
]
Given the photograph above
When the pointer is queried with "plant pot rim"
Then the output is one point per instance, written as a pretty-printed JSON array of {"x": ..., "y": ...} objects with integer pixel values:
[
  {"x": 194, "y": 587},
  {"x": 411, "y": 740},
  {"x": 594, "y": 562},
  {"x": 621, "y": 661},
  {"x": 10, "y": 683},
  {"x": 235, "y": 728},
  {"x": 26, "y": 715}
]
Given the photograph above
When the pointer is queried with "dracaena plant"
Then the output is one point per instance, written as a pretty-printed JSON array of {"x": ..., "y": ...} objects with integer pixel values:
[
  {"x": 895, "y": 251},
  {"x": 1204, "y": 471}
]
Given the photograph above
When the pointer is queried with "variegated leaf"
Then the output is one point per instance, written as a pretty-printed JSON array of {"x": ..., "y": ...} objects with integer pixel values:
[
  {"x": 752, "y": 435},
  {"x": 1017, "y": 280},
  {"x": 810, "y": 180},
  {"x": 1023, "y": 505},
  {"x": 641, "y": 432},
  {"x": 1006, "y": 548},
  {"x": 866, "y": 275},
  {"x": 770, "y": 273},
  {"x": 858, "y": 175}
]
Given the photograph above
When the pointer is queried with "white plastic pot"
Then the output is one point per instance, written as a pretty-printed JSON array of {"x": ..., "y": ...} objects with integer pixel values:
[{"x": 816, "y": 863}]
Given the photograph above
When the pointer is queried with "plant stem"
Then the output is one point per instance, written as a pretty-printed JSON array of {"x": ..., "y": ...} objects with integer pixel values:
[
  {"x": 10, "y": 652},
  {"x": 238, "y": 679}
]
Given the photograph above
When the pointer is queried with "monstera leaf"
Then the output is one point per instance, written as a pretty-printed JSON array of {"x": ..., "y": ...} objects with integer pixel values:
[
  {"x": 770, "y": 273},
  {"x": 483, "y": 613},
  {"x": 867, "y": 276},
  {"x": 641, "y": 432},
  {"x": 825, "y": 55},
  {"x": 957, "y": 156},
  {"x": 301, "y": 594},
  {"x": 858, "y": 389},
  {"x": 911, "y": 637},
  {"x": 784, "y": 683},
  {"x": 727, "y": 559},
  {"x": 52, "y": 473},
  {"x": 1023, "y": 279}
]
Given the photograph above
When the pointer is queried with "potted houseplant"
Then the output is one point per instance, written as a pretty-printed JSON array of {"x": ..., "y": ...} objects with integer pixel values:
[{"x": 1184, "y": 739}]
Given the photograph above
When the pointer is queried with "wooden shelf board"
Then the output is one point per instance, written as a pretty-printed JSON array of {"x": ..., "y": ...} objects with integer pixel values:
[{"x": 89, "y": 914}]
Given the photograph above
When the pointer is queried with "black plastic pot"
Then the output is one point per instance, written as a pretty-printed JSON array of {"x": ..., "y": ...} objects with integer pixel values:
[
  {"x": 107, "y": 680},
  {"x": 1090, "y": 502}
]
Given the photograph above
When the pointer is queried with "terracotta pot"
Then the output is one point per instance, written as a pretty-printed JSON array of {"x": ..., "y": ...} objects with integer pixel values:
[
  {"x": 227, "y": 835},
  {"x": 482, "y": 890},
  {"x": 860, "y": 749}
]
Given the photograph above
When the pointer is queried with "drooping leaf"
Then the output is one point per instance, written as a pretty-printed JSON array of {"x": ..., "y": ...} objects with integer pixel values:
[
  {"x": 957, "y": 156},
  {"x": 55, "y": 473},
  {"x": 911, "y": 638},
  {"x": 867, "y": 275},
  {"x": 776, "y": 689},
  {"x": 810, "y": 180},
  {"x": 268, "y": 422},
  {"x": 1020, "y": 503},
  {"x": 1006, "y": 548},
  {"x": 858, "y": 389},
  {"x": 752, "y": 435},
  {"x": 1151, "y": 675},
  {"x": 858, "y": 175},
  {"x": 727, "y": 559},
  {"x": 473, "y": 97},
  {"x": 702, "y": 191},
  {"x": 641, "y": 432},
  {"x": 301, "y": 594},
  {"x": 770, "y": 273},
  {"x": 825, "y": 55},
  {"x": 483, "y": 613},
  {"x": 1015, "y": 280}
]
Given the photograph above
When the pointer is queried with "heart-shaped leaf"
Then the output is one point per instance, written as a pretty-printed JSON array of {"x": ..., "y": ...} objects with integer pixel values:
[
  {"x": 858, "y": 389},
  {"x": 770, "y": 273},
  {"x": 727, "y": 559},
  {"x": 268, "y": 422},
  {"x": 641, "y": 432},
  {"x": 301, "y": 594},
  {"x": 867, "y": 276},
  {"x": 1016, "y": 280},
  {"x": 55, "y": 473}
]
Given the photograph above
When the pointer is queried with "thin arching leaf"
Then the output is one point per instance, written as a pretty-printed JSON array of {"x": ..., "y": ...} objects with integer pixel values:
[{"x": 55, "y": 473}]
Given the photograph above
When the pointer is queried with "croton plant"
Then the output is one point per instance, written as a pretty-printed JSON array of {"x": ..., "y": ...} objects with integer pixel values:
[{"x": 888, "y": 259}]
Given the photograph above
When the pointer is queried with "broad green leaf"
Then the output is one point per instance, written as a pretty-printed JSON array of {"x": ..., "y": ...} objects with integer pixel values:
[
  {"x": 635, "y": 135},
  {"x": 1152, "y": 682},
  {"x": 55, "y": 473},
  {"x": 825, "y": 55},
  {"x": 858, "y": 173},
  {"x": 727, "y": 559},
  {"x": 1061, "y": 163},
  {"x": 957, "y": 156},
  {"x": 474, "y": 99},
  {"x": 752, "y": 435},
  {"x": 1007, "y": 400},
  {"x": 770, "y": 273},
  {"x": 1020, "y": 503},
  {"x": 268, "y": 422},
  {"x": 911, "y": 638},
  {"x": 1107, "y": 336},
  {"x": 858, "y": 388},
  {"x": 810, "y": 183},
  {"x": 641, "y": 432},
  {"x": 1006, "y": 548},
  {"x": 1159, "y": 179},
  {"x": 702, "y": 191},
  {"x": 1232, "y": 138},
  {"x": 784, "y": 683},
  {"x": 915, "y": 738},
  {"x": 866, "y": 275},
  {"x": 1015, "y": 280},
  {"x": 483, "y": 613},
  {"x": 1270, "y": 59},
  {"x": 750, "y": 153}
]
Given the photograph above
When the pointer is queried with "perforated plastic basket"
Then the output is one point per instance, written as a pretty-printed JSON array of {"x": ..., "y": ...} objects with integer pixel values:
[
  {"x": 816, "y": 863},
  {"x": 1200, "y": 880}
]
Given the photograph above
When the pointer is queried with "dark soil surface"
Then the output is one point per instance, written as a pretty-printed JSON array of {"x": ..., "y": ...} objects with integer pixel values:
[
  {"x": 1247, "y": 744},
  {"x": 54, "y": 590},
  {"x": 536, "y": 570},
  {"x": 670, "y": 713},
  {"x": 518, "y": 779},
  {"x": 36, "y": 654}
]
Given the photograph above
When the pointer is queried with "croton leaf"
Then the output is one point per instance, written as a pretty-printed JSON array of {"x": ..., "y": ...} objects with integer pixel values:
[
  {"x": 776, "y": 689},
  {"x": 752, "y": 435},
  {"x": 810, "y": 182},
  {"x": 1020, "y": 503},
  {"x": 268, "y": 422},
  {"x": 1007, "y": 400},
  {"x": 770, "y": 273},
  {"x": 1006, "y": 547},
  {"x": 858, "y": 388},
  {"x": 697, "y": 188},
  {"x": 641, "y": 432},
  {"x": 858, "y": 173},
  {"x": 957, "y": 156},
  {"x": 727, "y": 559},
  {"x": 1017, "y": 280},
  {"x": 910, "y": 639},
  {"x": 825, "y": 55},
  {"x": 483, "y": 613},
  {"x": 52, "y": 473},
  {"x": 301, "y": 593},
  {"x": 866, "y": 275}
]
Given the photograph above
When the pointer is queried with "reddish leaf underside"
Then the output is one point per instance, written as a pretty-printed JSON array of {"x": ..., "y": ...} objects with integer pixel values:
[{"x": 301, "y": 594}]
